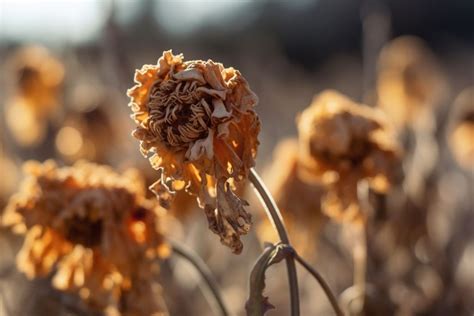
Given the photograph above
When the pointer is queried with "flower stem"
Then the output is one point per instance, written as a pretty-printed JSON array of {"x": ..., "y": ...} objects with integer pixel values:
[
  {"x": 359, "y": 249},
  {"x": 360, "y": 261},
  {"x": 276, "y": 219},
  {"x": 324, "y": 285},
  {"x": 186, "y": 253}
]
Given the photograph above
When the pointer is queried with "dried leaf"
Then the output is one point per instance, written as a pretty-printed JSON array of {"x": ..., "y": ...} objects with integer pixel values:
[{"x": 257, "y": 304}]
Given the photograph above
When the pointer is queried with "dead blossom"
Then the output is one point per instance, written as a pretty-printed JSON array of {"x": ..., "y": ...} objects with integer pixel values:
[
  {"x": 92, "y": 228},
  {"x": 33, "y": 91},
  {"x": 37, "y": 76},
  {"x": 342, "y": 143},
  {"x": 461, "y": 129},
  {"x": 410, "y": 82},
  {"x": 197, "y": 125}
]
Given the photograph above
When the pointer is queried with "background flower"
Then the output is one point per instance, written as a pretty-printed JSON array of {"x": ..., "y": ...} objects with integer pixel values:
[
  {"x": 410, "y": 83},
  {"x": 342, "y": 143},
  {"x": 90, "y": 227}
]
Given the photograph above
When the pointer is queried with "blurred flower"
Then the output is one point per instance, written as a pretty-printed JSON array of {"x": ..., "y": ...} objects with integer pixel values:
[
  {"x": 89, "y": 135},
  {"x": 36, "y": 81},
  {"x": 461, "y": 129},
  {"x": 89, "y": 226},
  {"x": 410, "y": 82},
  {"x": 342, "y": 143},
  {"x": 197, "y": 120},
  {"x": 299, "y": 201},
  {"x": 10, "y": 177}
]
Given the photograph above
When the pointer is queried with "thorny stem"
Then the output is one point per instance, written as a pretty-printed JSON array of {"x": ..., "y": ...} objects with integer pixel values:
[
  {"x": 276, "y": 219},
  {"x": 327, "y": 290},
  {"x": 186, "y": 253}
]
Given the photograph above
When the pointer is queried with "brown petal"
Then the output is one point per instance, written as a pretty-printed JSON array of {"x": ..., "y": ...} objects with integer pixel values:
[
  {"x": 232, "y": 219},
  {"x": 201, "y": 147},
  {"x": 213, "y": 76}
]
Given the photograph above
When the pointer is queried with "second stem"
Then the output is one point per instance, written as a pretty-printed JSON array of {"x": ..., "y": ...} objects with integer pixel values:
[{"x": 275, "y": 217}]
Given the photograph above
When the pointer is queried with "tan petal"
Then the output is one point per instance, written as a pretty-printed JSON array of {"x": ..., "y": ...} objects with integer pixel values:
[
  {"x": 190, "y": 74},
  {"x": 202, "y": 147},
  {"x": 220, "y": 111},
  {"x": 213, "y": 76},
  {"x": 212, "y": 92}
]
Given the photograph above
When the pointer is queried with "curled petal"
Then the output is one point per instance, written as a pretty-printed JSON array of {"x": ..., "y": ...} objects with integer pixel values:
[
  {"x": 190, "y": 74},
  {"x": 220, "y": 111},
  {"x": 202, "y": 147},
  {"x": 229, "y": 220}
]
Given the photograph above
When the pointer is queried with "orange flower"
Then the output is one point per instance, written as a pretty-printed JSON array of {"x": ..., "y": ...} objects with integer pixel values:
[
  {"x": 196, "y": 118},
  {"x": 90, "y": 225},
  {"x": 89, "y": 135},
  {"x": 410, "y": 83},
  {"x": 342, "y": 143},
  {"x": 461, "y": 129},
  {"x": 34, "y": 93},
  {"x": 37, "y": 75}
]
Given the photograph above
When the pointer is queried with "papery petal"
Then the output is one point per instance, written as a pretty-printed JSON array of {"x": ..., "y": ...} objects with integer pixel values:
[
  {"x": 202, "y": 147},
  {"x": 190, "y": 74},
  {"x": 220, "y": 111}
]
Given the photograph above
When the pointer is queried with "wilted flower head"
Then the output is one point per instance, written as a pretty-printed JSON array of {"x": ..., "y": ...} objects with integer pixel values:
[
  {"x": 196, "y": 118},
  {"x": 88, "y": 225},
  {"x": 37, "y": 75},
  {"x": 299, "y": 201},
  {"x": 461, "y": 129},
  {"x": 410, "y": 82},
  {"x": 343, "y": 142},
  {"x": 34, "y": 92},
  {"x": 89, "y": 135}
]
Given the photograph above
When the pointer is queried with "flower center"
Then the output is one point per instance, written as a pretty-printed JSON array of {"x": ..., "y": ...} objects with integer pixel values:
[
  {"x": 179, "y": 113},
  {"x": 83, "y": 231}
]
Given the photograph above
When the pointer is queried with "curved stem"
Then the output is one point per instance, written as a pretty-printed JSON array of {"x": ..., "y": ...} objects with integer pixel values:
[
  {"x": 205, "y": 273},
  {"x": 275, "y": 217},
  {"x": 324, "y": 285}
]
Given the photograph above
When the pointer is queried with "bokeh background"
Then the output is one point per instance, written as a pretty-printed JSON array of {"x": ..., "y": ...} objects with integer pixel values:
[{"x": 288, "y": 51}]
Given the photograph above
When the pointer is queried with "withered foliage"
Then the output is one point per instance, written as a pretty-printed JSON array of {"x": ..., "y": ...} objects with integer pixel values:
[
  {"x": 93, "y": 230},
  {"x": 343, "y": 143},
  {"x": 197, "y": 123}
]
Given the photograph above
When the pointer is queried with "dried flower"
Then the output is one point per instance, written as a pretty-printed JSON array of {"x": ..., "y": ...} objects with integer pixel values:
[
  {"x": 89, "y": 135},
  {"x": 91, "y": 226},
  {"x": 196, "y": 118},
  {"x": 342, "y": 143},
  {"x": 10, "y": 177},
  {"x": 299, "y": 201},
  {"x": 34, "y": 95},
  {"x": 410, "y": 82},
  {"x": 461, "y": 129}
]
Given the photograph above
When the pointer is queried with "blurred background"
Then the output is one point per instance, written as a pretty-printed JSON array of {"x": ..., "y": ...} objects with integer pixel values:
[{"x": 65, "y": 67}]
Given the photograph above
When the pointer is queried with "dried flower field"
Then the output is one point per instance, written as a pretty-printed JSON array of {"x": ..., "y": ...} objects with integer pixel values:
[{"x": 242, "y": 169}]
